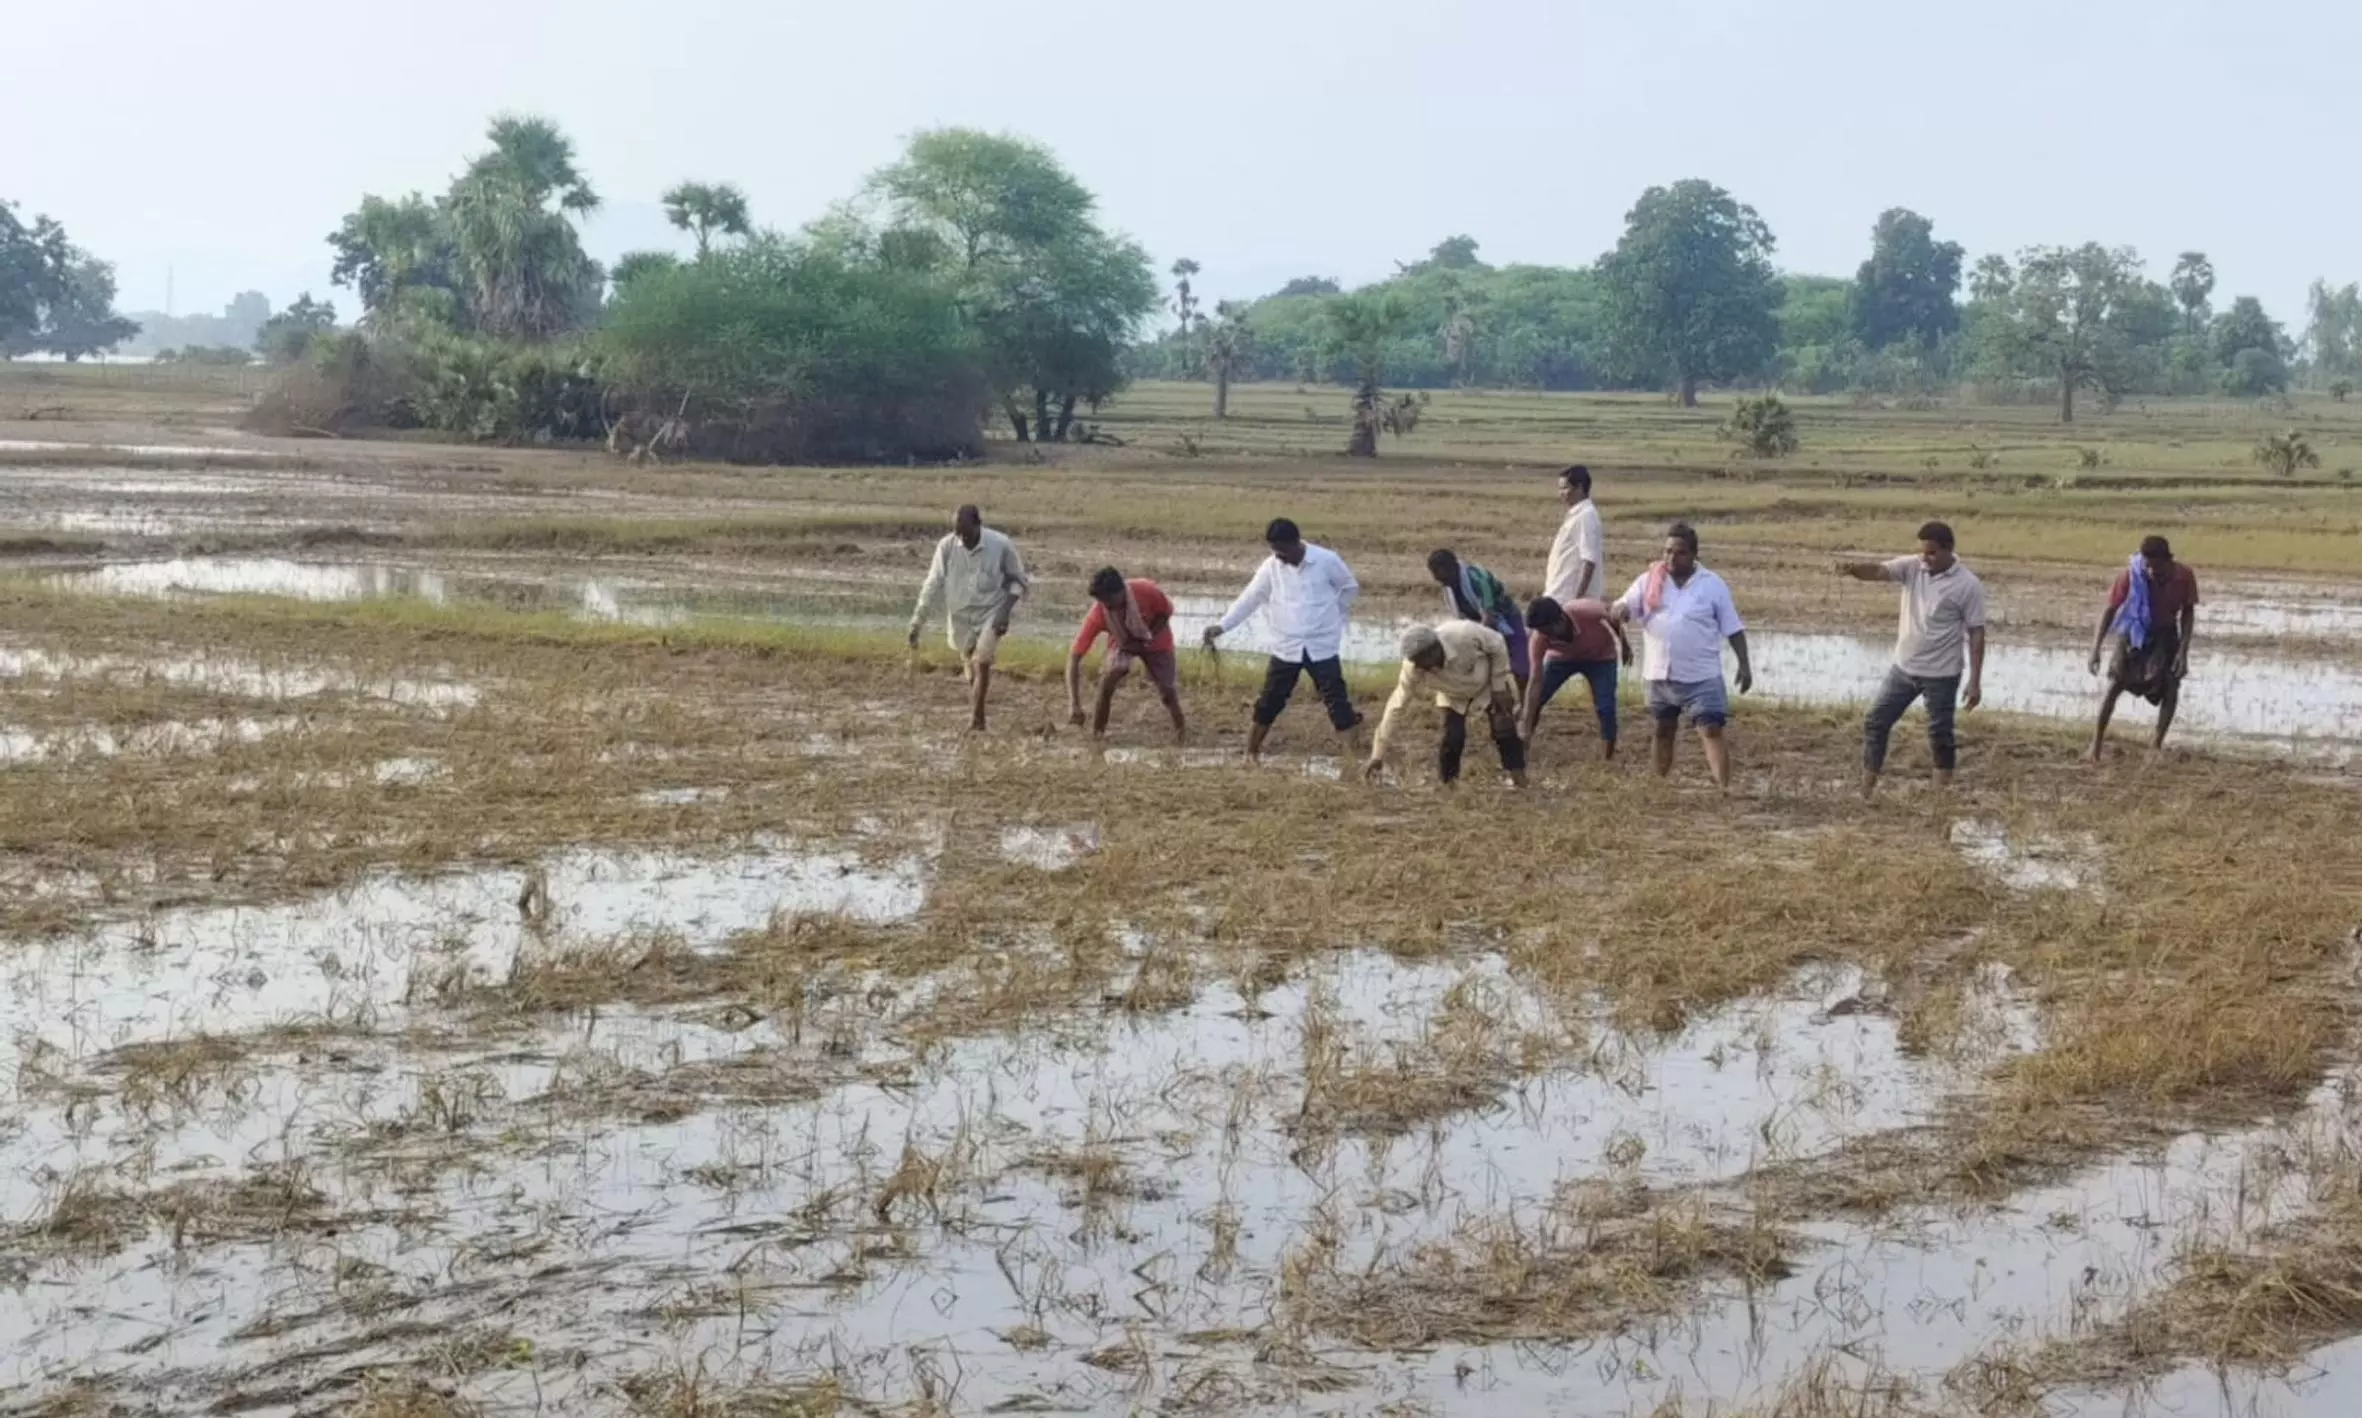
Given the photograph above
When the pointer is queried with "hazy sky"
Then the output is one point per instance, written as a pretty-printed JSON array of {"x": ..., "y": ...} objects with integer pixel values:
[{"x": 1265, "y": 138}]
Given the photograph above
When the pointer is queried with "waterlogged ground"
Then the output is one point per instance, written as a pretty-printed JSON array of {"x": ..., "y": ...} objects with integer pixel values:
[{"x": 447, "y": 1017}]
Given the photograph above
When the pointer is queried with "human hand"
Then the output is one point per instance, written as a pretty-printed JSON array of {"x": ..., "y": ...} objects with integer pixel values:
[
  {"x": 1974, "y": 696},
  {"x": 1371, "y": 770},
  {"x": 1746, "y": 678},
  {"x": 1075, "y": 719},
  {"x": 1624, "y": 652},
  {"x": 1000, "y": 626},
  {"x": 2095, "y": 663},
  {"x": 2181, "y": 665},
  {"x": 1213, "y": 633},
  {"x": 914, "y": 637}
]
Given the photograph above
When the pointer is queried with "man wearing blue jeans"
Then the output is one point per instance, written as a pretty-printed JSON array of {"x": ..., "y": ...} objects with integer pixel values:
[
  {"x": 1579, "y": 638},
  {"x": 1943, "y": 612},
  {"x": 1685, "y": 615}
]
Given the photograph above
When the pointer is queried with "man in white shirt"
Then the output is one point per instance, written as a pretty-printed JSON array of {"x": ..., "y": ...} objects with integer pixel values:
[
  {"x": 981, "y": 578},
  {"x": 1943, "y": 614},
  {"x": 1466, "y": 666},
  {"x": 1308, "y": 592},
  {"x": 1578, "y": 558},
  {"x": 1685, "y": 614}
]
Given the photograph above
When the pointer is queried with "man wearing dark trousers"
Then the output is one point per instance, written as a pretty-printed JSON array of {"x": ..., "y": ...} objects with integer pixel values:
[
  {"x": 1308, "y": 593},
  {"x": 1943, "y": 616}
]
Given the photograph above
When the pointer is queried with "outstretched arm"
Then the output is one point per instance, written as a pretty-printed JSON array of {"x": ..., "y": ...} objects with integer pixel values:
[
  {"x": 1249, "y": 601},
  {"x": 1395, "y": 702},
  {"x": 1862, "y": 570},
  {"x": 928, "y": 590}
]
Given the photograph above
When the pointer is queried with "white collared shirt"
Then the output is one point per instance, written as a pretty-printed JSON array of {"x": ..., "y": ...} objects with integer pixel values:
[
  {"x": 1579, "y": 540},
  {"x": 1681, "y": 640},
  {"x": 1306, "y": 604}
]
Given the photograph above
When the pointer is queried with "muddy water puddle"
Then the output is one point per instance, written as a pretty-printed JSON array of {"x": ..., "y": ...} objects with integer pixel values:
[
  {"x": 1087, "y": 1186},
  {"x": 240, "y": 678},
  {"x": 174, "y": 737}
]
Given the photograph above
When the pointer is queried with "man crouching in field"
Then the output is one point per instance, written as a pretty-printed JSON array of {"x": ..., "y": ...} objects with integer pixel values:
[
  {"x": 2152, "y": 613},
  {"x": 1466, "y": 666},
  {"x": 981, "y": 578},
  {"x": 1137, "y": 618}
]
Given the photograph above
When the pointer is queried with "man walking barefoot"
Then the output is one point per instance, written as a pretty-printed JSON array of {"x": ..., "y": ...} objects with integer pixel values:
[
  {"x": 2152, "y": 614},
  {"x": 1685, "y": 614},
  {"x": 1137, "y": 618},
  {"x": 1466, "y": 666},
  {"x": 1309, "y": 593},
  {"x": 981, "y": 578},
  {"x": 1943, "y": 609}
]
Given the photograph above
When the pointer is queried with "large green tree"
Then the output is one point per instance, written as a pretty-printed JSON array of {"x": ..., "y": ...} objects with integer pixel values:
[
  {"x": 2250, "y": 347},
  {"x": 36, "y": 263},
  {"x": 1906, "y": 291},
  {"x": 1055, "y": 297},
  {"x": 2333, "y": 330},
  {"x": 1690, "y": 296},
  {"x": 2071, "y": 304}
]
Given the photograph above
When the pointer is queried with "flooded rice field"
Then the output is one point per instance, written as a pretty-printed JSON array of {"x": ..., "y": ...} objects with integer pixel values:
[{"x": 416, "y": 1015}]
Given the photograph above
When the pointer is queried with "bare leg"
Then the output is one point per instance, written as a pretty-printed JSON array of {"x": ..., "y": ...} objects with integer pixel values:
[
  {"x": 1717, "y": 757},
  {"x": 1667, "y": 732},
  {"x": 2165, "y": 708},
  {"x": 1108, "y": 681},
  {"x": 982, "y": 675},
  {"x": 2099, "y": 732},
  {"x": 1255, "y": 736},
  {"x": 1180, "y": 723},
  {"x": 1943, "y": 780}
]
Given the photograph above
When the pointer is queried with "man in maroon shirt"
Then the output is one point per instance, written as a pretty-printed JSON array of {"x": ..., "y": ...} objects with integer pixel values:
[
  {"x": 1136, "y": 616},
  {"x": 2151, "y": 623},
  {"x": 1578, "y": 638}
]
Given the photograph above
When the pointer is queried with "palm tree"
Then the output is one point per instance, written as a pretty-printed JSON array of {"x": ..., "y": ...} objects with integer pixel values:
[
  {"x": 1229, "y": 344},
  {"x": 705, "y": 208},
  {"x": 2193, "y": 282},
  {"x": 1359, "y": 327},
  {"x": 539, "y": 158},
  {"x": 1459, "y": 339},
  {"x": 521, "y": 262}
]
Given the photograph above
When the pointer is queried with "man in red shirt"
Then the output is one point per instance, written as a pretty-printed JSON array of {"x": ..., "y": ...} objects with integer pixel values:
[
  {"x": 2151, "y": 619},
  {"x": 1578, "y": 638},
  {"x": 1137, "y": 619}
]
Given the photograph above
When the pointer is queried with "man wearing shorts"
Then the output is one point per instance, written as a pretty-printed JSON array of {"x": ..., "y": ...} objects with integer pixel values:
[
  {"x": 1685, "y": 614},
  {"x": 1577, "y": 639},
  {"x": 981, "y": 578},
  {"x": 1137, "y": 618},
  {"x": 1308, "y": 592}
]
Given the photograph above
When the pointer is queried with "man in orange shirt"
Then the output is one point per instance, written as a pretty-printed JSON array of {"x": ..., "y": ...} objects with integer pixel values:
[{"x": 1137, "y": 619}]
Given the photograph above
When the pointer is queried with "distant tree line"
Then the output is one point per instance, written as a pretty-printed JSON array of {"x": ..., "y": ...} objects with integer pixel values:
[
  {"x": 969, "y": 280},
  {"x": 1690, "y": 298}
]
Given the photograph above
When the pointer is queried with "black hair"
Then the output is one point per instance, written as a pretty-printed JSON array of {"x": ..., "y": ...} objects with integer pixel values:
[
  {"x": 969, "y": 510},
  {"x": 1106, "y": 581},
  {"x": 1686, "y": 534},
  {"x": 1542, "y": 612},
  {"x": 1577, "y": 476},
  {"x": 1281, "y": 531},
  {"x": 1937, "y": 532},
  {"x": 1441, "y": 560},
  {"x": 2155, "y": 548}
]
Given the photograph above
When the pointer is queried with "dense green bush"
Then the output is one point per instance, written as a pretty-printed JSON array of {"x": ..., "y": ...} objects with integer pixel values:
[{"x": 781, "y": 352}]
